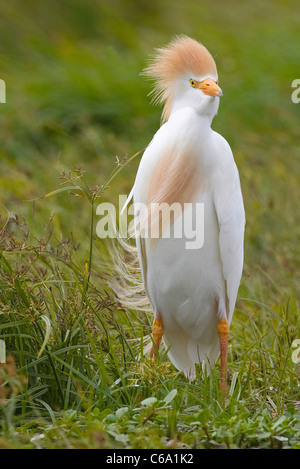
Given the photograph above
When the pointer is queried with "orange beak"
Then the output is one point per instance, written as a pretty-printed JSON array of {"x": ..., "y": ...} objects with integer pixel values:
[{"x": 210, "y": 87}]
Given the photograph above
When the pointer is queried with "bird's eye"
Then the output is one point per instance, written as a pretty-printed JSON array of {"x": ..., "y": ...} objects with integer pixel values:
[{"x": 193, "y": 83}]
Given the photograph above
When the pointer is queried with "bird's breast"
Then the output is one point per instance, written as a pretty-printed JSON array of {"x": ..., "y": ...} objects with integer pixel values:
[{"x": 176, "y": 179}]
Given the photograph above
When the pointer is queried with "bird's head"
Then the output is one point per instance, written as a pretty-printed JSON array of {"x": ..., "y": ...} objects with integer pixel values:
[{"x": 185, "y": 74}]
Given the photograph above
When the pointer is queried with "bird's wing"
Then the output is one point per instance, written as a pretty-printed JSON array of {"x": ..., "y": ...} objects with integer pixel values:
[
  {"x": 139, "y": 193},
  {"x": 139, "y": 197},
  {"x": 231, "y": 218}
]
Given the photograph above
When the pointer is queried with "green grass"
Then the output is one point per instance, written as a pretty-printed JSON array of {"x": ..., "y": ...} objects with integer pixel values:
[{"x": 76, "y": 375}]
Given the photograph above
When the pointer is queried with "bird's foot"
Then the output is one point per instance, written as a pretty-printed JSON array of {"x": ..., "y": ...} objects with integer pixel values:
[
  {"x": 223, "y": 332},
  {"x": 157, "y": 333}
]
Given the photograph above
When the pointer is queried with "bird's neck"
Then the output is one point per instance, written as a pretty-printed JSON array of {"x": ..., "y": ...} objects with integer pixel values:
[
  {"x": 204, "y": 110},
  {"x": 187, "y": 119}
]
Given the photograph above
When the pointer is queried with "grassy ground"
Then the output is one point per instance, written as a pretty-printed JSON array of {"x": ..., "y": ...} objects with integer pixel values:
[{"x": 76, "y": 375}]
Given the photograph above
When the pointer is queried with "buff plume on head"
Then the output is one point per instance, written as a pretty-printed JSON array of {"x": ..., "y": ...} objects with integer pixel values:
[{"x": 181, "y": 57}]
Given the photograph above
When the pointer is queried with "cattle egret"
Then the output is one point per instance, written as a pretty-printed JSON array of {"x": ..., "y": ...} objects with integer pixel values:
[{"x": 192, "y": 289}]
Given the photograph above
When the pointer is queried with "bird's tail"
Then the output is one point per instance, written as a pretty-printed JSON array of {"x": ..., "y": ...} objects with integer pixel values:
[
  {"x": 184, "y": 352},
  {"x": 177, "y": 342}
]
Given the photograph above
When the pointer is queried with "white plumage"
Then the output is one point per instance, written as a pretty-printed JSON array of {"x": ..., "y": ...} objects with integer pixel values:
[{"x": 191, "y": 290}]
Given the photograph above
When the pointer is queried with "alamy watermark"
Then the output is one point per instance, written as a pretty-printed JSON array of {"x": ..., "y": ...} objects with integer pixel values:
[
  {"x": 2, "y": 351},
  {"x": 156, "y": 220},
  {"x": 296, "y": 94},
  {"x": 2, "y": 91},
  {"x": 296, "y": 352}
]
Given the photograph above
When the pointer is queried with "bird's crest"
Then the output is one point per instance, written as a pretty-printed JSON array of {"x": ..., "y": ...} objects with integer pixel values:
[{"x": 182, "y": 56}]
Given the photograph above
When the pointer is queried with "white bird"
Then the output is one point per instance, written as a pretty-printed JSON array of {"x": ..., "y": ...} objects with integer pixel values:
[{"x": 192, "y": 291}]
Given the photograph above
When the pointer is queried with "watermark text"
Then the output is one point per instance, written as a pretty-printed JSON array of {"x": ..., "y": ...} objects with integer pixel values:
[
  {"x": 153, "y": 221},
  {"x": 2, "y": 91},
  {"x": 296, "y": 94}
]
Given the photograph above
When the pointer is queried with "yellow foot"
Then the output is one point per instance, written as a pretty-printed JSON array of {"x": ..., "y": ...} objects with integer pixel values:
[
  {"x": 223, "y": 331},
  {"x": 157, "y": 333}
]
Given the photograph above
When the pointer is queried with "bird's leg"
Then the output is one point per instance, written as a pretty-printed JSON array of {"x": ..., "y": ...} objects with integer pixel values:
[
  {"x": 223, "y": 331},
  {"x": 157, "y": 333}
]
